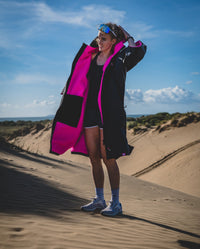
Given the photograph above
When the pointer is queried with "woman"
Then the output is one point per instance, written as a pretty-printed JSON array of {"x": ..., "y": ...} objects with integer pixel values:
[{"x": 91, "y": 119}]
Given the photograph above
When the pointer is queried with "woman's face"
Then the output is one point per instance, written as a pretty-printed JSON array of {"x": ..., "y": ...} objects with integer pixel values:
[{"x": 105, "y": 42}]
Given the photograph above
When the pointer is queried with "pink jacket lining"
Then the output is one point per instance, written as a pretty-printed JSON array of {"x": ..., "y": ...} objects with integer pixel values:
[{"x": 65, "y": 136}]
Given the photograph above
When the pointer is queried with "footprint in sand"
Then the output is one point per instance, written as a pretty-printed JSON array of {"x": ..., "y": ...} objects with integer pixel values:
[{"x": 17, "y": 229}]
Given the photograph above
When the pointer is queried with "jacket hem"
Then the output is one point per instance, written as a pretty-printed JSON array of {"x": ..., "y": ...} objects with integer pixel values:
[
  {"x": 80, "y": 153},
  {"x": 52, "y": 152}
]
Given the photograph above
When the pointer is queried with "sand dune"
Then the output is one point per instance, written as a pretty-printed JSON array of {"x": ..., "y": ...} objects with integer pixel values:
[
  {"x": 181, "y": 172},
  {"x": 172, "y": 158},
  {"x": 150, "y": 148},
  {"x": 40, "y": 199}
]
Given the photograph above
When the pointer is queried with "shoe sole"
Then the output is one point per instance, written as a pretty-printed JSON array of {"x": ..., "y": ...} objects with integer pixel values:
[
  {"x": 94, "y": 210},
  {"x": 111, "y": 215}
]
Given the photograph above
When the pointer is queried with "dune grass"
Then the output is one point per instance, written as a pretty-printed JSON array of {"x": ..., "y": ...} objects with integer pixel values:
[
  {"x": 177, "y": 119},
  {"x": 11, "y": 129}
]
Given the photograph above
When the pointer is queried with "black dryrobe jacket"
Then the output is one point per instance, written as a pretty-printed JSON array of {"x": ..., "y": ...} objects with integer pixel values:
[{"x": 67, "y": 129}]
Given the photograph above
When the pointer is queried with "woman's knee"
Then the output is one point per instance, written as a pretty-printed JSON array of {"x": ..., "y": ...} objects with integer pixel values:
[
  {"x": 95, "y": 159},
  {"x": 109, "y": 162}
]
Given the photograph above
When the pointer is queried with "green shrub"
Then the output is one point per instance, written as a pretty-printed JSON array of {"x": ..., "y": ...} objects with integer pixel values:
[
  {"x": 11, "y": 129},
  {"x": 131, "y": 124},
  {"x": 160, "y": 118}
]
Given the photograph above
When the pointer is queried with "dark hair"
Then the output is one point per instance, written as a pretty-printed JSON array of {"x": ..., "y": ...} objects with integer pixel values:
[
  {"x": 120, "y": 35},
  {"x": 115, "y": 28}
]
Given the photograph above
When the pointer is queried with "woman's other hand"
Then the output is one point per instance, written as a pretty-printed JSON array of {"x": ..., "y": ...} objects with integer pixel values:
[{"x": 128, "y": 37}]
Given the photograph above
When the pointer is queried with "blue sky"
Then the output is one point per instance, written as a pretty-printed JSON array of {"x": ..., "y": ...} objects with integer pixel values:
[{"x": 39, "y": 39}]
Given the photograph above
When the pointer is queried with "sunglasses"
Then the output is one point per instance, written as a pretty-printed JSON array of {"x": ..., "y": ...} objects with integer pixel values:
[{"x": 106, "y": 29}]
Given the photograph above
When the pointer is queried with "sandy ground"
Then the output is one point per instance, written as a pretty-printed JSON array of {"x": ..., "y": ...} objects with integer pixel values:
[
  {"x": 180, "y": 146},
  {"x": 40, "y": 199},
  {"x": 176, "y": 153},
  {"x": 182, "y": 172}
]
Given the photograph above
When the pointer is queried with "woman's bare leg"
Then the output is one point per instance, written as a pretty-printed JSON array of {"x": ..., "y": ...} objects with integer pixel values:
[
  {"x": 111, "y": 165},
  {"x": 92, "y": 137}
]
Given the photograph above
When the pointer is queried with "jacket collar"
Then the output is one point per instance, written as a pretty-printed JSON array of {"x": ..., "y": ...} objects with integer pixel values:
[{"x": 117, "y": 48}]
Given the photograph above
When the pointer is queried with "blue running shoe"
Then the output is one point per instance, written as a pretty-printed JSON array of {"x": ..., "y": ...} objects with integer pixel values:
[
  {"x": 113, "y": 209},
  {"x": 96, "y": 204}
]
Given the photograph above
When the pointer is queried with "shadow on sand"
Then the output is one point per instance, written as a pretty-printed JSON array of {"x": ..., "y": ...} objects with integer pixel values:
[
  {"x": 131, "y": 217},
  {"x": 23, "y": 193},
  {"x": 189, "y": 244},
  {"x": 7, "y": 148},
  {"x": 27, "y": 194}
]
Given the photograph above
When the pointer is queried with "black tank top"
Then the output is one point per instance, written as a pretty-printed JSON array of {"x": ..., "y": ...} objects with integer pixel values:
[{"x": 94, "y": 76}]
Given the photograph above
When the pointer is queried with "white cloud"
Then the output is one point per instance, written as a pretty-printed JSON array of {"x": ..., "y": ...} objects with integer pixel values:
[
  {"x": 35, "y": 79},
  {"x": 143, "y": 30},
  {"x": 147, "y": 31},
  {"x": 6, "y": 109},
  {"x": 189, "y": 82},
  {"x": 46, "y": 14},
  {"x": 135, "y": 96},
  {"x": 30, "y": 19},
  {"x": 40, "y": 103},
  {"x": 195, "y": 73},
  {"x": 34, "y": 103},
  {"x": 164, "y": 96},
  {"x": 5, "y": 105},
  {"x": 21, "y": 21},
  {"x": 168, "y": 95},
  {"x": 34, "y": 108},
  {"x": 87, "y": 15}
]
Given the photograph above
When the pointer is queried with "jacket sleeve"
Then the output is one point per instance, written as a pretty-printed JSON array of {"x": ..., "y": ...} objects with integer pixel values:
[{"x": 134, "y": 54}]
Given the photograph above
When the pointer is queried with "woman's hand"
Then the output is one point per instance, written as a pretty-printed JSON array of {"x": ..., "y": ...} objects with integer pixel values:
[
  {"x": 128, "y": 37},
  {"x": 126, "y": 34}
]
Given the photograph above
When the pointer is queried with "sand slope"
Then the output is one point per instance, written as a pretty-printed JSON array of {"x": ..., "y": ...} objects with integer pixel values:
[
  {"x": 40, "y": 199},
  {"x": 181, "y": 171},
  {"x": 152, "y": 146}
]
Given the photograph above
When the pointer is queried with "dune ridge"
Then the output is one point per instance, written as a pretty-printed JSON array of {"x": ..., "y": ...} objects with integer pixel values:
[{"x": 165, "y": 158}]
